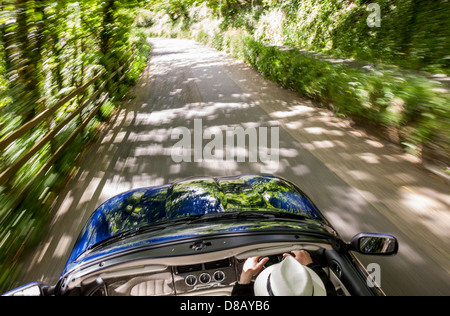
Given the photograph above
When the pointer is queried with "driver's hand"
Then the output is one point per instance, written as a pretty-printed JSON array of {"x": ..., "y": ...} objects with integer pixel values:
[
  {"x": 301, "y": 256},
  {"x": 251, "y": 268}
]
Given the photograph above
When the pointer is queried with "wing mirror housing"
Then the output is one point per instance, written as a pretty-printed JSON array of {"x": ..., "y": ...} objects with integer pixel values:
[{"x": 374, "y": 244}]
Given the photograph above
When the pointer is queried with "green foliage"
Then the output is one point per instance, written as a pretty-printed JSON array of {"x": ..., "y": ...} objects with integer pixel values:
[
  {"x": 48, "y": 49},
  {"x": 175, "y": 9},
  {"x": 411, "y": 104},
  {"x": 413, "y": 34}
]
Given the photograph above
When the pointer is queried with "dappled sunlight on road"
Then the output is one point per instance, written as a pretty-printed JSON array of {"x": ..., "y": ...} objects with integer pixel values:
[
  {"x": 356, "y": 180},
  {"x": 380, "y": 172},
  {"x": 377, "y": 169},
  {"x": 428, "y": 208}
]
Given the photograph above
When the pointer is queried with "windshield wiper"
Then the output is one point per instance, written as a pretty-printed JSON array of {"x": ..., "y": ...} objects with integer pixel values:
[
  {"x": 127, "y": 234},
  {"x": 271, "y": 215}
]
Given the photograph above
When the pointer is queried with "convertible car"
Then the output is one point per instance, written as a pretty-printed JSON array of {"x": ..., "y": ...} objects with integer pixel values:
[{"x": 192, "y": 238}]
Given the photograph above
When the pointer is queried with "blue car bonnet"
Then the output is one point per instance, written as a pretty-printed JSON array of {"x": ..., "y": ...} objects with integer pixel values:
[{"x": 193, "y": 197}]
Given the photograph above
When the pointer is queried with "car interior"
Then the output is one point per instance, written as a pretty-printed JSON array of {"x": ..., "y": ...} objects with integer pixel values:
[{"x": 210, "y": 274}]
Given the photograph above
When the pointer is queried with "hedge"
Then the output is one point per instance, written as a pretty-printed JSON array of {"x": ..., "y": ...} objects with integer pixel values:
[{"x": 409, "y": 103}]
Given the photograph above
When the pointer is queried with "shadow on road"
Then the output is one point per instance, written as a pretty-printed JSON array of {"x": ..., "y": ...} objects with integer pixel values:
[{"x": 360, "y": 183}]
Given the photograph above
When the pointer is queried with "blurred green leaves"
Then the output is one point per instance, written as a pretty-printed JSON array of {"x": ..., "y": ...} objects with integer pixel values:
[
  {"x": 409, "y": 104},
  {"x": 47, "y": 50},
  {"x": 406, "y": 105}
]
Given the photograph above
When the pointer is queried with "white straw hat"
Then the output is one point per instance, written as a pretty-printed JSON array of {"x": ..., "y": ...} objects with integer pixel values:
[{"x": 289, "y": 278}]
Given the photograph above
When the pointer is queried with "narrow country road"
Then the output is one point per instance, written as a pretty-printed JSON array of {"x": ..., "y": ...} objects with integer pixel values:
[{"x": 360, "y": 183}]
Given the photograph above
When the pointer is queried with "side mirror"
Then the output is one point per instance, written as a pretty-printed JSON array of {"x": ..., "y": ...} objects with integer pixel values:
[
  {"x": 374, "y": 244},
  {"x": 31, "y": 289}
]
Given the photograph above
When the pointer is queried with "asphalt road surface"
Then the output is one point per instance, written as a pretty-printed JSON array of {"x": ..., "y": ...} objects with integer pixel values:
[{"x": 360, "y": 183}]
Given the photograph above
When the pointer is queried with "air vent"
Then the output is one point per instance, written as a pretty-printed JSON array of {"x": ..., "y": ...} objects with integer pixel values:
[
  {"x": 217, "y": 264},
  {"x": 189, "y": 269}
]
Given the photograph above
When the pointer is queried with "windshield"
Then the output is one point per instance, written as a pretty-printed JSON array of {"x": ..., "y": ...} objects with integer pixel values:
[
  {"x": 208, "y": 227},
  {"x": 197, "y": 197}
]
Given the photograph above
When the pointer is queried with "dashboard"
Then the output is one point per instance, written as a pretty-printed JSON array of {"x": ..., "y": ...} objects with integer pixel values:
[
  {"x": 210, "y": 277},
  {"x": 169, "y": 277},
  {"x": 217, "y": 275}
]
